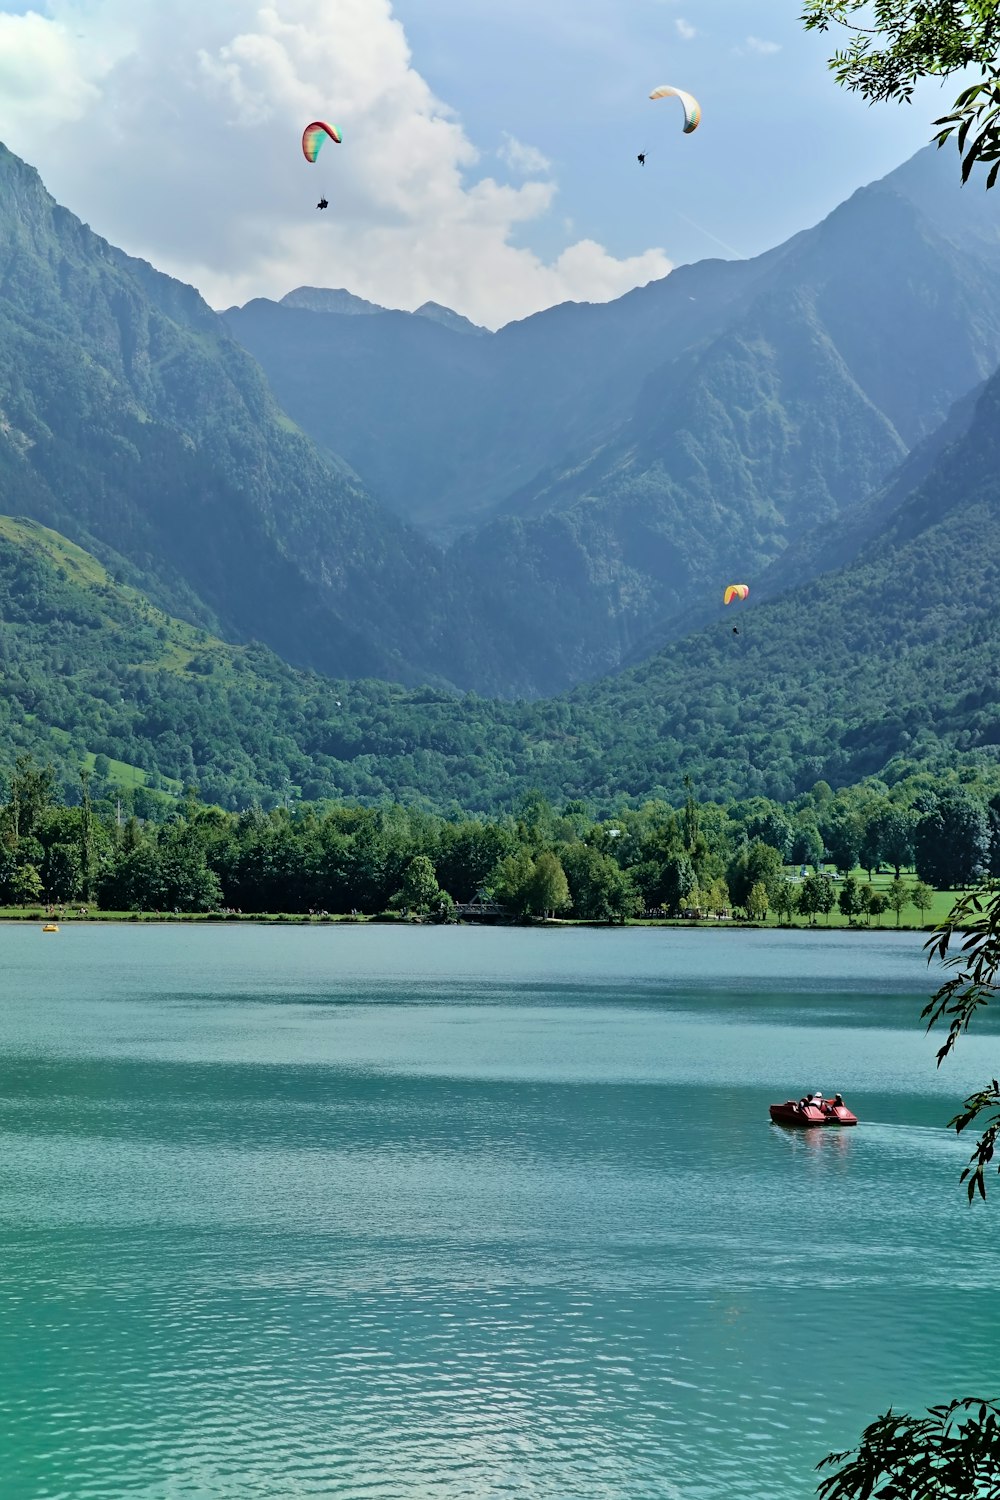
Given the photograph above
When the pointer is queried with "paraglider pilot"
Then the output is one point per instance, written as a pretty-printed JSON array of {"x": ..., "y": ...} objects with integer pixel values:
[
  {"x": 641, "y": 158},
  {"x": 312, "y": 140}
]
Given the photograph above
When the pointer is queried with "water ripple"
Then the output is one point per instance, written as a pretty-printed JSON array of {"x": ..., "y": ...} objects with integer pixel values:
[{"x": 521, "y": 1233}]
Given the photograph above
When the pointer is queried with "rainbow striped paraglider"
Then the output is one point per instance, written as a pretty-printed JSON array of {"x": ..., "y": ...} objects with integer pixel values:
[
  {"x": 692, "y": 109},
  {"x": 735, "y": 591},
  {"x": 315, "y": 134}
]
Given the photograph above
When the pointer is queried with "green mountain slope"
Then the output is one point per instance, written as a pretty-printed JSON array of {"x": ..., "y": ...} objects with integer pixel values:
[
  {"x": 131, "y": 421},
  {"x": 474, "y": 420},
  {"x": 885, "y": 664},
  {"x": 890, "y": 659},
  {"x": 845, "y": 356},
  {"x": 91, "y": 668},
  {"x": 608, "y": 466},
  {"x": 134, "y": 423}
]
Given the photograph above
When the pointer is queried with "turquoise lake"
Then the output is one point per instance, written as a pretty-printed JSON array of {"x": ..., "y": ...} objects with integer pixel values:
[{"x": 404, "y": 1212}]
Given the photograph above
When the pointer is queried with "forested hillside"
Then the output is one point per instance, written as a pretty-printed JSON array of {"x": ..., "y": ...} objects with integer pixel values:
[
  {"x": 134, "y": 425},
  {"x": 892, "y": 657},
  {"x": 723, "y": 411},
  {"x": 132, "y": 422},
  {"x": 849, "y": 351},
  {"x": 884, "y": 666},
  {"x": 474, "y": 420},
  {"x": 612, "y": 466}
]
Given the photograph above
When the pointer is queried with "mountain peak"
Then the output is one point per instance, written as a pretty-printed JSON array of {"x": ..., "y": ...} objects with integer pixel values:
[
  {"x": 330, "y": 300},
  {"x": 449, "y": 318},
  {"x": 325, "y": 299}
]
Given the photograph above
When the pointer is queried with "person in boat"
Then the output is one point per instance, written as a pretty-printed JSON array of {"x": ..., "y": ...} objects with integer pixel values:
[{"x": 838, "y": 1101}]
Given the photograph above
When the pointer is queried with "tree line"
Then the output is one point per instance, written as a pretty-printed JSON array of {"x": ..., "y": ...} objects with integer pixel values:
[{"x": 131, "y": 852}]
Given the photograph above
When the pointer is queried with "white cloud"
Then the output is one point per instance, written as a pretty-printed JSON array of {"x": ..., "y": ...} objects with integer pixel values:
[
  {"x": 39, "y": 58},
  {"x": 527, "y": 160},
  {"x": 174, "y": 129},
  {"x": 761, "y": 47},
  {"x": 589, "y": 273},
  {"x": 685, "y": 30}
]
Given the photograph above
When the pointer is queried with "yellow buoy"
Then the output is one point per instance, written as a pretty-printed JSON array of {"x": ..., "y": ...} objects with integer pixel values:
[{"x": 50, "y": 927}]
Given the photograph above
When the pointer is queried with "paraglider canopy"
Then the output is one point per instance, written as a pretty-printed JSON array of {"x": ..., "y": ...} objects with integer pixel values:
[
  {"x": 692, "y": 109},
  {"x": 735, "y": 591},
  {"x": 315, "y": 134}
]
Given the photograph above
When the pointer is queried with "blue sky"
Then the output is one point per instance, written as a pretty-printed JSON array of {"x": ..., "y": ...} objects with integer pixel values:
[
  {"x": 489, "y": 148},
  {"x": 780, "y": 143}
]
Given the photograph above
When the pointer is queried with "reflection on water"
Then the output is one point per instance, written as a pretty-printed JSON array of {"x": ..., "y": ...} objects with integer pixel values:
[{"x": 465, "y": 1214}]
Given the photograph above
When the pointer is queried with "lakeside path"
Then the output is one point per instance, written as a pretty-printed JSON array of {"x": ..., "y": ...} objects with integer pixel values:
[{"x": 836, "y": 924}]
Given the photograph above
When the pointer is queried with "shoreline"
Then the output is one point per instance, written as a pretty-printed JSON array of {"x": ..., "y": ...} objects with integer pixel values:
[{"x": 298, "y": 919}]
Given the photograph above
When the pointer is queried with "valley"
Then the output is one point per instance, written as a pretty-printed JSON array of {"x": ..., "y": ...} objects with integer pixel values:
[{"x": 260, "y": 579}]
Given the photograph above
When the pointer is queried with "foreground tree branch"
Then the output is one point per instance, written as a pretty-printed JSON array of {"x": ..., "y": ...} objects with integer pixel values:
[
  {"x": 953, "y": 1453},
  {"x": 975, "y": 923},
  {"x": 893, "y": 44}
]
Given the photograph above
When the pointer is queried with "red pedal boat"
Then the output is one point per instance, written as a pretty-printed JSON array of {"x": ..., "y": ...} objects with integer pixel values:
[{"x": 813, "y": 1111}]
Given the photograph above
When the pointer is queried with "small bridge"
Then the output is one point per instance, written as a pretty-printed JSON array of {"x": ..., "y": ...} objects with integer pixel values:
[{"x": 480, "y": 911}]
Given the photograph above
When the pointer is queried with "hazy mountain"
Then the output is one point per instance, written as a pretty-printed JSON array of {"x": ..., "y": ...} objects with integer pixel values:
[
  {"x": 329, "y": 300},
  {"x": 892, "y": 657},
  {"x": 338, "y": 300},
  {"x": 610, "y": 467},
  {"x": 474, "y": 420},
  {"x": 448, "y": 317},
  {"x": 132, "y": 422},
  {"x": 849, "y": 351},
  {"x": 887, "y": 664},
  {"x": 833, "y": 544}
]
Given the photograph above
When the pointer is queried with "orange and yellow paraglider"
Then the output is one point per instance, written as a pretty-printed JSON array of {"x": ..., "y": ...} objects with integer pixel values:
[{"x": 735, "y": 591}]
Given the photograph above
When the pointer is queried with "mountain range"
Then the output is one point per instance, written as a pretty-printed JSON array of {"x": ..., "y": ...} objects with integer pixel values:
[
  {"x": 134, "y": 423},
  {"x": 879, "y": 668},
  {"x": 822, "y": 421},
  {"x": 608, "y": 468}
]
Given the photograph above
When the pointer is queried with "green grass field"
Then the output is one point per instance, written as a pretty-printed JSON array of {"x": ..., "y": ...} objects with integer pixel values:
[
  {"x": 910, "y": 918},
  {"x": 120, "y": 773},
  {"x": 938, "y": 912},
  {"x": 123, "y": 775}
]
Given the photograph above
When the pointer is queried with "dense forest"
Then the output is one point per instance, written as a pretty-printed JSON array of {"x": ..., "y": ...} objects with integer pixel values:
[
  {"x": 880, "y": 669},
  {"x": 133, "y": 851}
]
